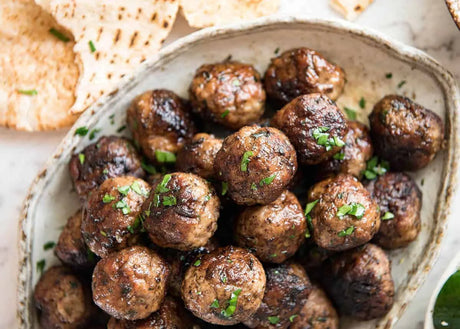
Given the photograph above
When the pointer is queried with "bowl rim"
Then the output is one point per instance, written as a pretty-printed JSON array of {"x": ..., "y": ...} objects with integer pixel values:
[{"x": 393, "y": 47}]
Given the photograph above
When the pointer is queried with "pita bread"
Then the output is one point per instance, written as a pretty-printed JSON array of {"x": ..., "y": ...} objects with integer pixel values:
[
  {"x": 351, "y": 9},
  {"x": 454, "y": 8},
  {"x": 34, "y": 61},
  {"x": 112, "y": 38},
  {"x": 203, "y": 13}
]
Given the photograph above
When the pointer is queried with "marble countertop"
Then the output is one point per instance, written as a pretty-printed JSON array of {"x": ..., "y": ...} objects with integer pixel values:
[{"x": 425, "y": 24}]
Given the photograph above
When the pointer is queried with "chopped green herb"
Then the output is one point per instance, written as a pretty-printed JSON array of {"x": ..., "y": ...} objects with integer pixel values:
[
  {"x": 351, "y": 114},
  {"x": 103, "y": 233},
  {"x": 310, "y": 207},
  {"x": 49, "y": 245},
  {"x": 169, "y": 200},
  {"x": 165, "y": 156},
  {"x": 339, "y": 156},
  {"x": 402, "y": 83},
  {"x": 41, "y": 266},
  {"x": 28, "y": 92},
  {"x": 112, "y": 119},
  {"x": 375, "y": 168},
  {"x": 273, "y": 255},
  {"x": 347, "y": 231},
  {"x": 388, "y": 215},
  {"x": 108, "y": 198},
  {"x": 362, "y": 103},
  {"x": 389, "y": 75},
  {"x": 93, "y": 133},
  {"x": 273, "y": 319},
  {"x": 123, "y": 206},
  {"x": 292, "y": 317},
  {"x": 228, "y": 312},
  {"x": 322, "y": 138},
  {"x": 139, "y": 189},
  {"x": 120, "y": 129},
  {"x": 223, "y": 278},
  {"x": 81, "y": 131},
  {"x": 197, "y": 263},
  {"x": 105, "y": 171},
  {"x": 338, "y": 142},
  {"x": 245, "y": 160},
  {"x": 236, "y": 82},
  {"x": 161, "y": 188},
  {"x": 355, "y": 209},
  {"x": 207, "y": 198},
  {"x": 267, "y": 180},
  {"x": 277, "y": 50},
  {"x": 215, "y": 304},
  {"x": 59, "y": 35},
  {"x": 223, "y": 115},
  {"x": 124, "y": 189},
  {"x": 224, "y": 188},
  {"x": 81, "y": 157},
  {"x": 148, "y": 168},
  {"x": 253, "y": 186},
  {"x": 422, "y": 182},
  {"x": 91, "y": 46}
]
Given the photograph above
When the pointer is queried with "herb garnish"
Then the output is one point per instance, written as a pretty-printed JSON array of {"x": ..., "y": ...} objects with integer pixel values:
[
  {"x": 41, "y": 266},
  {"x": 108, "y": 198},
  {"x": 267, "y": 180},
  {"x": 197, "y": 263},
  {"x": 228, "y": 312},
  {"x": 351, "y": 114},
  {"x": 81, "y": 157},
  {"x": 339, "y": 156},
  {"x": 355, "y": 209},
  {"x": 292, "y": 317},
  {"x": 49, "y": 245},
  {"x": 28, "y": 92},
  {"x": 215, "y": 304},
  {"x": 446, "y": 313},
  {"x": 277, "y": 50},
  {"x": 402, "y": 83},
  {"x": 273, "y": 319},
  {"x": 347, "y": 231},
  {"x": 93, "y": 133},
  {"x": 148, "y": 168},
  {"x": 224, "y": 188},
  {"x": 59, "y": 35},
  {"x": 375, "y": 168},
  {"x": 91, "y": 46},
  {"x": 321, "y": 136},
  {"x": 223, "y": 115},
  {"x": 362, "y": 103},
  {"x": 245, "y": 160},
  {"x": 165, "y": 156},
  {"x": 81, "y": 131},
  {"x": 389, "y": 75},
  {"x": 388, "y": 215}
]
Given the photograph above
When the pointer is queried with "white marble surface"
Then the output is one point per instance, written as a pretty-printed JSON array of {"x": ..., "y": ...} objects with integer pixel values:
[{"x": 425, "y": 24}]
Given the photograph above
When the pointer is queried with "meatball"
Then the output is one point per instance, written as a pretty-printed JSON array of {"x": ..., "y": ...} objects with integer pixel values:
[
  {"x": 359, "y": 282},
  {"x": 317, "y": 313},
  {"x": 274, "y": 231},
  {"x": 112, "y": 219},
  {"x": 405, "y": 133},
  {"x": 171, "y": 315},
  {"x": 315, "y": 126},
  {"x": 160, "y": 123},
  {"x": 109, "y": 157},
  {"x": 287, "y": 289},
  {"x": 63, "y": 299},
  {"x": 71, "y": 248},
  {"x": 400, "y": 201},
  {"x": 130, "y": 284},
  {"x": 225, "y": 286},
  {"x": 344, "y": 214},
  {"x": 181, "y": 212},
  {"x": 228, "y": 93},
  {"x": 198, "y": 155},
  {"x": 256, "y": 164},
  {"x": 354, "y": 155},
  {"x": 302, "y": 71}
]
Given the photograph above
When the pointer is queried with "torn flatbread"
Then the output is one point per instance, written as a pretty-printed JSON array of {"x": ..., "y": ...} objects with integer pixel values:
[{"x": 351, "y": 9}]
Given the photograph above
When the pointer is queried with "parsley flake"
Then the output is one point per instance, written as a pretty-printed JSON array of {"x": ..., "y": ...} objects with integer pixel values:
[
  {"x": 267, "y": 180},
  {"x": 402, "y": 83},
  {"x": 81, "y": 131},
  {"x": 389, "y": 75},
  {"x": 355, "y": 209},
  {"x": 59, "y": 35},
  {"x": 347, "y": 231},
  {"x": 108, "y": 198},
  {"x": 273, "y": 319},
  {"x": 49, "y": 245},
  {"x": 351, "y": 114},
  {"x": 223, "y": 115},
  {"x": 292, "y": 317},
  {"x": 224, "y": 188},
  {"x": 197, "y": 263},
  {"x": 362, "y": 103},
  {"x": 169, "y": 200},
  {"x": 215, "y": 304},
  {"x": 41, "y": 266},
  {"x": 245, "y": 160},
  {"x": 228, "y": 312},
  {"x": 388, "y": 215},
  {"x": 165, "y": 156},
  {"x": 81, "y": 157}
]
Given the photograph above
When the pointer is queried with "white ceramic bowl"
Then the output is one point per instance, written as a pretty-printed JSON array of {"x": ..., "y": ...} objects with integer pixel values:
[{"x": 366, "y": 57}]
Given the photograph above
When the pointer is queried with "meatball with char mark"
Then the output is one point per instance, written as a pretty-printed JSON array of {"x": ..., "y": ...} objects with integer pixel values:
[
  {"x": 112, "y": 220},
  {"x": 225, "y": 287},
  {"x": 198, "y": 155},
  {"x": 71, "y": 248},
  {"x": 228, "y": 93},
  {"x": 400, "y": 201},
  {"x": 302, "y": 71},
  {"x": 63, "y": 299},
  {"x": 171, "y": 315},
  {"x": 160, "y": 122},
  {"x": 315, "y": 126},
  {"x": 359, "y": 282},
  {"x": 405, "y": 133},
  {"x": 130, "y": 284},
  {"x": 353, "y": 157},
  {"x": 257, "y": 164},
  {"x": 109, "y": 157},
  {"x": 274, "y": 231},
  {"x": 287, "y": 289},
  {"x": 181, "y": 212},
  {"x": 344, "y": 215}
]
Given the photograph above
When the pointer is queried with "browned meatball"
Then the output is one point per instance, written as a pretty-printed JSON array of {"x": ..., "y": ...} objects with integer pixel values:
[
  {"x": 228, "y": 93},
  {"x": 171, "y": 315},
  {"x": 160, "y": 124},
  {"x": 274, "y": 231},
  {"x": 405, "y": 133},
  {"x": 63, "y": 299},
  {"x": 130, "y": 284},
  {"x": 302, "y": 71},
  {"x": 112, "y": 218},
  {"x": 198, "y": 155},
  {"x": 354, "y": 155},
  {"x": 317, "y": 313},
  {"x": 315, "y": 126},
  {"x": 71, "y": 248},
  {"x": 256, "y": 164},
  {"x": 287, "y": 289},
  {"x": 225, "y": 286},
  {"x": 181, "y": 212},
  {"x": 345, "y": 215},
  {"x": 109, "y": 157},
  {"x": 359, "y": 282},
  {"x": 400, "y": 201}
]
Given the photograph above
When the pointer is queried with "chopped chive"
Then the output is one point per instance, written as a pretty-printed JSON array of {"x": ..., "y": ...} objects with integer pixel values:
[
  {"x": 310, "y": 206},
  {"x": 197, "y": 263},
  {"x": 148, "y": 168},
  {"x": 29, "y": 92},
  {"x": 215, "y": 304},
  {"x": 59, "y": 35},
  {"x": 273, "y": 319},
  {"x": 91, "y": 46},
  {"x": 292, "y": 317},
  {"x": 119, "y": 130},
  {"x": 267, "y": 180}
]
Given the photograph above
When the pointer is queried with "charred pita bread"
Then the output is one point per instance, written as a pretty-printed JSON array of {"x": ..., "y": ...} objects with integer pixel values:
[
  {"x": 454, "y": 8},
  {"x": 112, "y": 38},
  {"x": 38, "y": 73},
  {"x": 351, "y": 9},
  {"x": 203, "y": 13}
]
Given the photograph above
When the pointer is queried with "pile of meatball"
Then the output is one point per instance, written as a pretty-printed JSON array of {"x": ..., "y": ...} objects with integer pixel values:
[{"x": 275, "y": 221}]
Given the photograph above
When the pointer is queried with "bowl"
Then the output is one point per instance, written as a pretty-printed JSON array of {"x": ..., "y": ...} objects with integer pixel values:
[{"x": 375, "y": 66}]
